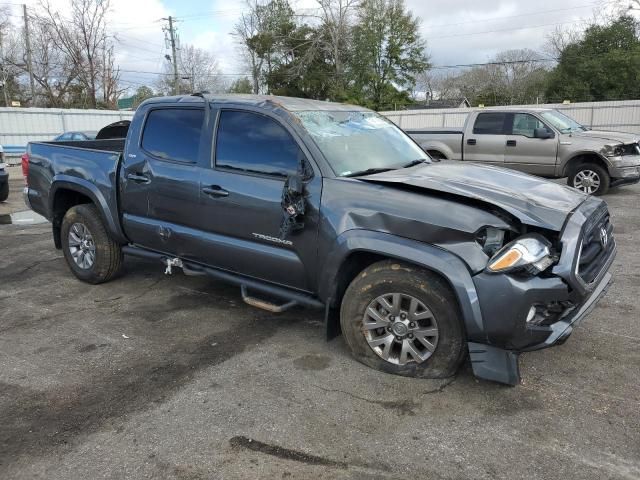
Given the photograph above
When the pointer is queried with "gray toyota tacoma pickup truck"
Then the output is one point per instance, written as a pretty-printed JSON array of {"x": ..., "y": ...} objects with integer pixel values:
[
  {"x": 540, "y": 141},
  {"x": 331, "y": 206}
]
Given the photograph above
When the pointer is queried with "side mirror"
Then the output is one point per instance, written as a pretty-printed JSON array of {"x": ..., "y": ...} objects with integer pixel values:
[
  {"x": 293, "y": 206},
  {"x": 542, "y": 133},
  {"x": 294, "y": 185}
]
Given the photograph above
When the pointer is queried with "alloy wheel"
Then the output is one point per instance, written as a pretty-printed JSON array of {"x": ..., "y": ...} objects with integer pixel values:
[
  {"x": 400, "y": 329},
  {"x": 81, "y": 246},
  {"x": 587, "y": 181}
]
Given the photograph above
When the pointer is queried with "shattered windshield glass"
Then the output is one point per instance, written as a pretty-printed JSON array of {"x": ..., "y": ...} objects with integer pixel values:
[{"x": 360, "y": 142}]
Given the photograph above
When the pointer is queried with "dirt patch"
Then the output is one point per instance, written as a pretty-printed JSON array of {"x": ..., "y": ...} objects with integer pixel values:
[{"x": 312, "y": 362}]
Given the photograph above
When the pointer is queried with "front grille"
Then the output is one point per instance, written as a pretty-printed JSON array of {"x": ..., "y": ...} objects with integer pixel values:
[{"x": 597, "y": 245}]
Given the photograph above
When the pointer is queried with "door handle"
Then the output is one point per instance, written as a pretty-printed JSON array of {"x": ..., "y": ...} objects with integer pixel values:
[
  {"x": 215, "y": 191},
  {"x": 511, "y": 143},
  {"x": 471, "y": 141},
  {"x": 138, "y": 178}
]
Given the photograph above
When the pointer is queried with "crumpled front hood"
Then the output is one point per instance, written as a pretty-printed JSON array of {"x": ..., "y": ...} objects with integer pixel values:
[
  {"x": 534, "y": 201},
  {"x": 609, "y": 137}
]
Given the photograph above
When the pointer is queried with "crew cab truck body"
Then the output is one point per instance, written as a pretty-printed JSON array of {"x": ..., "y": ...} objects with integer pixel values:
[
  {"x": 332, "y": 206},
  {"x": 540, "y": 141}
]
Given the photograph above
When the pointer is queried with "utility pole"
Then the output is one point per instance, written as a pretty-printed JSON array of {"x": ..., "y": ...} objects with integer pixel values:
[
  {"x": 27, "y": 39},
  {"x": 3, "y": 74},
  {"x": 174, "y": 58}
]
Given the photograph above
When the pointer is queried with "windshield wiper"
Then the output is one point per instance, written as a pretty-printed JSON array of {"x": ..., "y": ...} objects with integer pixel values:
[
  {"x": 368, "y": 171},
  {"x": 413, "y": 163}
]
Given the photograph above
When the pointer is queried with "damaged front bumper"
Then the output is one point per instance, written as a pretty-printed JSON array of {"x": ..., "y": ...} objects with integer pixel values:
[
  {"x": 624, "y": 170},
  {"x": 501, "y": 364},
  {"x": 510, "y": 306}
]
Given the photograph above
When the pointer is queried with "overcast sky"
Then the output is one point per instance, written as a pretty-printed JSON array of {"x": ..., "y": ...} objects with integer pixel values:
[{"x": 457, "y": 31}]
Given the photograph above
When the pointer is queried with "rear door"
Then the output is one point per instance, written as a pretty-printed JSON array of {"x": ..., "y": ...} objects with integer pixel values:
[
  {"x": 487, "y": 138},
  {"x": 161, "y": 180},
  {"x": 525, "y": 152},
  {"x": 241, "y": 193}
]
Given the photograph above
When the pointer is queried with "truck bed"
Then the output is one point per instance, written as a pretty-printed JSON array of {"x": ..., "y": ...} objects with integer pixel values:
[
  {"x": 91, "y": 165},
  {"x": 439, "y": 142}
]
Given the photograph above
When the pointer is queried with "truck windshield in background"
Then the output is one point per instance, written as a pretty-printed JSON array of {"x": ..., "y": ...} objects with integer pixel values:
[
  {"x": 562, "y": 122},
  {"x": 360, "y": 141}
]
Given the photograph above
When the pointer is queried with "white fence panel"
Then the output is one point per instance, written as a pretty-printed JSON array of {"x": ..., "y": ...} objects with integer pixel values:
[
  {"x": 19, "y": 126},
  {"x": 622, "y": 116}
]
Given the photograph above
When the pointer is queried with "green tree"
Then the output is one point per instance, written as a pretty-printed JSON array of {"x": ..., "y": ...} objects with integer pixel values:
[
  {"x": 142, "y": 93},
  {"x": 262, "y": 33},
  {"x": 604, "y": 65},
  {"x": 304, "y": 71},
  {"x": 241, "y": 85},
  {"x": 388, "y": 53}
]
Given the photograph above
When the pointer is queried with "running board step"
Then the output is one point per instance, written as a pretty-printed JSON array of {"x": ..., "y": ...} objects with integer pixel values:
[
  {"x": 290, "y": 296},
  {"x": 265, "y": 305}
]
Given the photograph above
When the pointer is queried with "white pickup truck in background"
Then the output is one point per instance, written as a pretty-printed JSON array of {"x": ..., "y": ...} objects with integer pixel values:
[{"x": 540, "y": 141}]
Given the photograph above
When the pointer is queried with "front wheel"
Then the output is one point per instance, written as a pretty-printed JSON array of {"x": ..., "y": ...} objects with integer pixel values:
[
  {"x": 403, "y": 320},
  {"x": 590, "y": 178},
  {"x": 91, "y": 254}
]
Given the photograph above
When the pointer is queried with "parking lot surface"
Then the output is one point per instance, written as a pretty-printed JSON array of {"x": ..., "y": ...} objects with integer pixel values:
[{"x": 173, "y": 377}]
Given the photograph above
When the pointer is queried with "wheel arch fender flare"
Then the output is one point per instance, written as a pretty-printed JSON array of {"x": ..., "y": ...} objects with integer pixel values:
[
  {"x": 584, "y": 157},
  {"x": 441, "y": 147},
  {"x": 444, "y": 263},
  {"x": 88, "y": 189}
]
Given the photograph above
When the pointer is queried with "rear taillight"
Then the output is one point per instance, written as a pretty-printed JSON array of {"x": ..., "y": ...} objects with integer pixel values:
[{"x": 25, "y": 168}]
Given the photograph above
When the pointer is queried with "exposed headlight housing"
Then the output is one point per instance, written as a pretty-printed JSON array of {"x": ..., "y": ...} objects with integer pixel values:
[
  {"x": 613, "y": 150},
  {"x": 491, "y": 239},
  {"x": 530, "y": 253}
]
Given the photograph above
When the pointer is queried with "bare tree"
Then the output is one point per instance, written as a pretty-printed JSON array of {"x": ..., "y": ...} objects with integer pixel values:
[
  {"x": 198, "y": 71},
  {"x": 53, "y": 71},
  {"x": 110, "y": 78},
  {"x": 559, "y": 39},
  {"x": 436, "y": 85},
  {"x": 628, "y": 5},
  {"x": 246, "y": 30},
  {"x": 82, "y": 37},
  {"x": 336, "y": 17}
]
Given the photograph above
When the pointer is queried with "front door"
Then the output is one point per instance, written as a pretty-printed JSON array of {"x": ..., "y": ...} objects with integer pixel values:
[
  {"x": 241, "y": 214},
  {"x": 486, "y": 142},
  {"x": 526, "y": 153}
]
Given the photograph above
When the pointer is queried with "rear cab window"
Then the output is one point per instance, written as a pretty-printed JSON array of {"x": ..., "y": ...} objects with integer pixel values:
[
  {"x": 173, "y": 134},
  {"x": 252, "y": 143},
  {"x": 490, "y": 124}
]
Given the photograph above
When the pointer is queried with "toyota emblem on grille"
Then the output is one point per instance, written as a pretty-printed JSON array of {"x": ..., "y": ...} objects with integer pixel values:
[{"x": 604, "y": 237}]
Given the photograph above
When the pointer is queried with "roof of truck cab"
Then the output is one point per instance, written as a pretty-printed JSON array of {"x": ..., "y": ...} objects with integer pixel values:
[
  {"x": 291, "y": 104},
  {"x": 516, "y": 109}
]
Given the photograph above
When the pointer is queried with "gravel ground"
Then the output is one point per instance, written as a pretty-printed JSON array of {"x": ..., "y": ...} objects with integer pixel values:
[{"x": 151, "y": 376}]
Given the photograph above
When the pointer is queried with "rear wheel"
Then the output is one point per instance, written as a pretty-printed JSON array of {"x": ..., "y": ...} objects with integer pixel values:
[
  {"x": 91, "y": 254},
  {"x": 436, "y": 155},
  {"x": 403, "y": 320},
  {"x": 590, "y": 178}
]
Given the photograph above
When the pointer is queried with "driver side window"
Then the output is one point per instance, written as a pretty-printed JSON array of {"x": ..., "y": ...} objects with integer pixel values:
[{"x": 525, "y": 125}]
